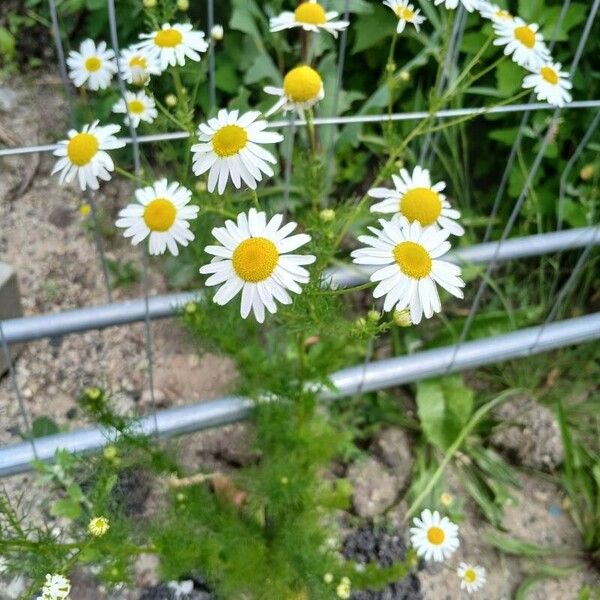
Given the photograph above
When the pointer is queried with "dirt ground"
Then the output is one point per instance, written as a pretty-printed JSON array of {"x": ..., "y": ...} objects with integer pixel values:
[{"x": 44, "y": 236}]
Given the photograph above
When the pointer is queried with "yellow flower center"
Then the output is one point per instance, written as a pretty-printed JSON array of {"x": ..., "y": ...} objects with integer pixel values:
[
  {"x": 415, "y": 262},
  {"x": 550, "y": 75},
  {"x": 302, "y": 84},
  {"x": 255, "y": 259},
  {"x": 93, "y": 64},
  {"x": 82, "y": 148},
  {"x": 138, "y": 62},
  {"x": 421, "y": 204},
  {"x": 470, "y": 576},
  {"x": 136, "y": 107},
  {"x": 229, "y": 140},
  {"x": 504, "y": 14},
  {"x": 525, "y": 35},
  {"x": 160, "y": 214},
  {"x": 436, "y": 536},
  {"x": 310, "y": 12},
  {"x": 168, "y": 38},
  {"x": 403, "y": 12}
]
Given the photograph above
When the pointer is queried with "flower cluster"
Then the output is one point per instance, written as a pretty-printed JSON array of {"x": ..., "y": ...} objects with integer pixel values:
[
  {"x": 405, "y": 253},
  {"x": 522, "y": 41},
  {"x": 56, "y": 587},
  {"x": 436, "y": 538}
]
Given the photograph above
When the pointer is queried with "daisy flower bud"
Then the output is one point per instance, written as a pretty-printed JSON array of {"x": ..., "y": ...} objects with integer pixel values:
[
  {"x": 216, "y": 33},
  {"x": 183, "y": 5},
  {"x": 587, "y": 172},
  {"x": 328, "y": 578},
  {"x": 327, "y": 215},
  {"x": 171, "y": 100},
  {"x": 98, "y": 526},
  {"x": 149, "y": 3},
  {"x": 446, "y": 499}
]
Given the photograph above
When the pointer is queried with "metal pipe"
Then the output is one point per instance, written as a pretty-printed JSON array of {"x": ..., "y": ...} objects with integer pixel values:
[
  {"x": 26, "y": 329},
  {"x": 409, "y": 116},
  {"x": 379, "y": 375}
]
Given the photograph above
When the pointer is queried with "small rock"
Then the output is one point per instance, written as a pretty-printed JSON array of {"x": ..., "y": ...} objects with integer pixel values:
[
  {"x": 375, "y": 487},
  {"x": 366, "y": 545},
  {"x": 8, "y": 99},
  {"x": 528, "y": 433},
  {"x": 231, "y": 444},
  {"x": 15, "y": 588},
  {"x": 61, "y": 217},
  {"x": 393, "y": 447}
]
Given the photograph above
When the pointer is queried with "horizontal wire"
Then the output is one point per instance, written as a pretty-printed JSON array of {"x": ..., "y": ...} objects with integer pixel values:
[
  {"x": 26, "y": 329},
  {"x": 357, "y": 119}
]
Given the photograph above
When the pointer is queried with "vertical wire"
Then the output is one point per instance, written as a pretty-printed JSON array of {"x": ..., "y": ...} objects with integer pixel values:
[
  {"x": 60, "y": 56},
  {"x": 517, "y": 143},
  {"x": 112, "y": 21},
  {"x": 524, "y": 192},
  {"x": 456, "y": 36},
  {"x": 336, "y": 97},
  {"x": 571, "y": 164},
  {"x": 212, "y": 86},
  {"x": 16, "y": 389},
  {"x": 289, "y": 155}
]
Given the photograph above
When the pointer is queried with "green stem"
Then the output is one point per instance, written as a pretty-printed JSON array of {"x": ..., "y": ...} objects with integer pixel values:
[
  {"x": 310, "y": 128},
  {"x": 466, "y": 430},
  {"x": 130, "y": 176},
  {"x": 163, "y": 109},
  {"x": 349, "y": 290},
  {"x": 255, "y": 200},
  {"x": 390, "y": 67}
]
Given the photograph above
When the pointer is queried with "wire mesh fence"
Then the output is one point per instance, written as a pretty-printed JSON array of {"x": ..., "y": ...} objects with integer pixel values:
[{"x": 464, "y": 354}]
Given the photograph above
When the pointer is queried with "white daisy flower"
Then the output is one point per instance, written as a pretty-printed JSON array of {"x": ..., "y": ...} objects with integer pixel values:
[
  {"x": 434, "y": 537},
  {"x": 94, "y": 65},
  {"x": 84, "y": 155},
  {"x": 523, "y": 41},
  {"x": 136, "y": 66},
  {"x": 163, "y": 212},
  {"x": 311, "y": 16},
  {"x": 254, "y": 259},
  {"x": 472, "y": 577},
  {"x": 495, "y": 13},
  {"x": 173, "y": 44},
  {"x": 550, "y": 83},
  {"x": 229, "y": 147},
  {"x": 406, "y": 13},
  {"x": 56, "y": 587},
  {"x": 417, "y": 200},
  {"x": 302, "y": 89},
  {"x": 470, "y": 5},
  {"x": 140, "y": 107},
  {"x": 406, "y": 257}
]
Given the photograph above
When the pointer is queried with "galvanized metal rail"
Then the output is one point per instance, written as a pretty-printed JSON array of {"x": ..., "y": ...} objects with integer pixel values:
[
  {"x": 27, "y": 329},
  {"x": 364, "y": 378}
]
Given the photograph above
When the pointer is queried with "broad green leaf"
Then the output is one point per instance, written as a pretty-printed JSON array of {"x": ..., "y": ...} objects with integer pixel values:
[
  {"x": 444, "y": 407},
  {"x": 509, "y": 77},
  {"x": 43, "y": 426},
  {"x": 66, "y": 508},
  {"x": 373, "y": 28}
]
